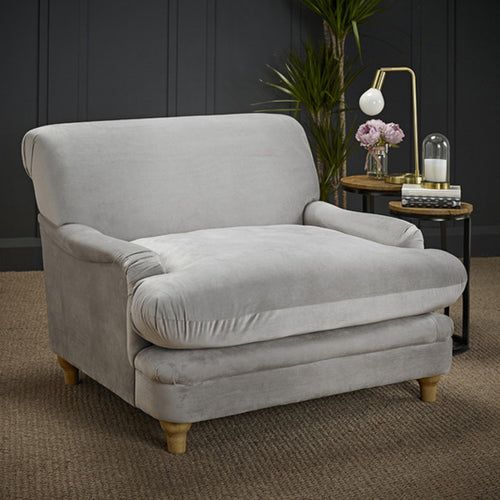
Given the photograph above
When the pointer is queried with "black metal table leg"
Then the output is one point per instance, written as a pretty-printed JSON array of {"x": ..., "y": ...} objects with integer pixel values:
[
  {"x": 371, "y": 204},
  {"x": 444, "y": 247},
  {"x": 466, "y": 299},
  {"x": 461, "y": 343},
  {"x": 368, "y": 203}
]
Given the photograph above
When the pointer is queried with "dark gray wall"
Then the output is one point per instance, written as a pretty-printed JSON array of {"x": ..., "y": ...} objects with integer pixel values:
[
  {"x": 71, "y": 60},
  {"x": 454, "y": 47}
]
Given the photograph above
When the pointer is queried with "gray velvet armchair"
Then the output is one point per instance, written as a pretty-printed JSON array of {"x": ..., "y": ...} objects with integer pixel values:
[{"x": 191, "y": 270}]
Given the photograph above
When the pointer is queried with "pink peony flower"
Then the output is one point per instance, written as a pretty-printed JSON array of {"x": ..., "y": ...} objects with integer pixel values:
[
  {"x": 368, "y": 134},
  {"x": 392, "y": 133},
  {"x": 378, "y": 124},
  {"x": 377, "y": 133}
]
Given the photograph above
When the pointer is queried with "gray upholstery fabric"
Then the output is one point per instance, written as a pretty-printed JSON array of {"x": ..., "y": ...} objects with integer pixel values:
[
  {"x": 89, "y": 278},
  {"x": 232, "y": 264},
  {"x": 239, "y": 285},
  {"x": 192, "y": 366},
  {"x": 379, "y": 228},
  {"x": 194, "y": 385},
  {"x": 135, "y": 178}
]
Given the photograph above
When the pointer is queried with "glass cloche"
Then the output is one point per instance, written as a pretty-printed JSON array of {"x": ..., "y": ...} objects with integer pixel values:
[{"x": 436, "y": 157}]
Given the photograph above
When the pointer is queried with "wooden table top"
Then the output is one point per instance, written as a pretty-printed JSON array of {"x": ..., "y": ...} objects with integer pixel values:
[
  {"x": 465, "y": 209},
  {"x": 369, "y": 184}
]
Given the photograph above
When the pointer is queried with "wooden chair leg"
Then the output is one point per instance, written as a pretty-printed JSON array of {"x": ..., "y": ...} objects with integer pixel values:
[
  {"x": 428, "y": 388},
  {"x": 175, "y": 436},
  {"x": 70, "y": 371}
]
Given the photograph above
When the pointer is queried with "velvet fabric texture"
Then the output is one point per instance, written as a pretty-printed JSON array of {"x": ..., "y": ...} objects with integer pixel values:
[
  {"x": 193, "y": 366},
  {"x": 135, "y": 178},
  {"x": 231, "y": 249},
  {"x": 238, "y": 285},
  {"x": 373, "y": 227},
  {"x": 89, "y": 280},
  {"x": 193, "y": 385}
]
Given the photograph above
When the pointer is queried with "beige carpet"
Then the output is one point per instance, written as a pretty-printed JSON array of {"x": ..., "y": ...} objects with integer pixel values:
[{"x": 83, "y": 442}]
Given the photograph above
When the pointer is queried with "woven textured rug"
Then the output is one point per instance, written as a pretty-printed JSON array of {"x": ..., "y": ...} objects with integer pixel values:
[{"x": 84, "y": 442}]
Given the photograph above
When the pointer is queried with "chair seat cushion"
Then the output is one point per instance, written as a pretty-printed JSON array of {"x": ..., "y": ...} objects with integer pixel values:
[{"x": 238, "y": 285}]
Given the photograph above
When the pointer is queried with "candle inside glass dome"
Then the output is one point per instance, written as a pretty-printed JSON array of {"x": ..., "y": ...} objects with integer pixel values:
[
  {"x": 436, "y": 156},
  {"x": 435, "y": 169}
]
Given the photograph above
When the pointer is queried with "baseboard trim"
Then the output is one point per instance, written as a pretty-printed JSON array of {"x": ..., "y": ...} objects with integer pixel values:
[{"x": 20, "y": 254}]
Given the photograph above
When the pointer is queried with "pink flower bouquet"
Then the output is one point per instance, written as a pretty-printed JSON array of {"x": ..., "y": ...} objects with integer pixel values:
[
  {"x": 375, "y": 133},
  {"x": 377, "y": 137}
]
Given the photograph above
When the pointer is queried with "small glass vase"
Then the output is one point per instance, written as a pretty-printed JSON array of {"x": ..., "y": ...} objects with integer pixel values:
[{"x": 376, "y": 161}]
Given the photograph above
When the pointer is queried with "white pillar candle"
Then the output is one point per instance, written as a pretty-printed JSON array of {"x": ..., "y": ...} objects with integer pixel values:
[{"x": 435, "y": 170}]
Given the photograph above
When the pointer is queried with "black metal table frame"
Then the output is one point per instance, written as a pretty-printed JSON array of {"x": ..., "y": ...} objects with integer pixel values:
[
  {"x": 460, "y": 342},
  {"x": 369, "y": 197}
]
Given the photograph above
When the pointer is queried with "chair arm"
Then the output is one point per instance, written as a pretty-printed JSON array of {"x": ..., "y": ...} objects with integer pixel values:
[
  {"x": 378, "y": 228},
  {"x": 89, "y": 245}
]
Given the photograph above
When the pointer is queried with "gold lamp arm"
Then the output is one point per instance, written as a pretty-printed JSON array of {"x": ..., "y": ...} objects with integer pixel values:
[{"x": 378, "y": 81}]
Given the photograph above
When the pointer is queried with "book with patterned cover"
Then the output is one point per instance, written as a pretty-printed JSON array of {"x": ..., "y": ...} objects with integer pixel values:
[{"x": 414, "y": 195}]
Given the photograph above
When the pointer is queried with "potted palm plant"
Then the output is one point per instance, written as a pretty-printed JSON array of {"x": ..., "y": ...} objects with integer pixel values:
[{"x": 315, "y": 85}]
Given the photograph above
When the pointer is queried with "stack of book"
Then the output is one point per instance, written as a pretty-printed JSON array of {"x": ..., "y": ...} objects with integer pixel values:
[{"x": 414, "y": 195}]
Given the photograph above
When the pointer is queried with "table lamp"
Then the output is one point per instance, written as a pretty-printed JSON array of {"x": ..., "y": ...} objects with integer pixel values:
[{"x": 372, "y": 103}]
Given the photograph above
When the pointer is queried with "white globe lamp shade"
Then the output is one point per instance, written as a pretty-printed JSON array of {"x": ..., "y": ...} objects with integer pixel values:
[{"x": 372, "y": 102}]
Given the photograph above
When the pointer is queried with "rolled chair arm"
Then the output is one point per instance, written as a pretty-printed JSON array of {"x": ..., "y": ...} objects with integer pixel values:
[
  {"x": 378, "y": 228},
  {"x": 87, "y": 244}
]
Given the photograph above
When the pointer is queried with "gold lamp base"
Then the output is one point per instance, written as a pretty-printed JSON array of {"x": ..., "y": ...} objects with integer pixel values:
[{"x": 403, "y": 179}]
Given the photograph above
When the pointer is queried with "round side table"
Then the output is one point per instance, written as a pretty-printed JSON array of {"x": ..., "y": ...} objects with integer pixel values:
[
  {"x": 369, "y": 188},
  {"x": 443, "y": 215}
]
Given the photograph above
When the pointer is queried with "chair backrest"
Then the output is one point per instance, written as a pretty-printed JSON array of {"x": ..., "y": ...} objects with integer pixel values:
[{"x": 137, "y": 178}]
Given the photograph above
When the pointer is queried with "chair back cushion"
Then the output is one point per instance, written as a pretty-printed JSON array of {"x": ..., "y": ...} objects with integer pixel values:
[{"x": 135, "y": 178}]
